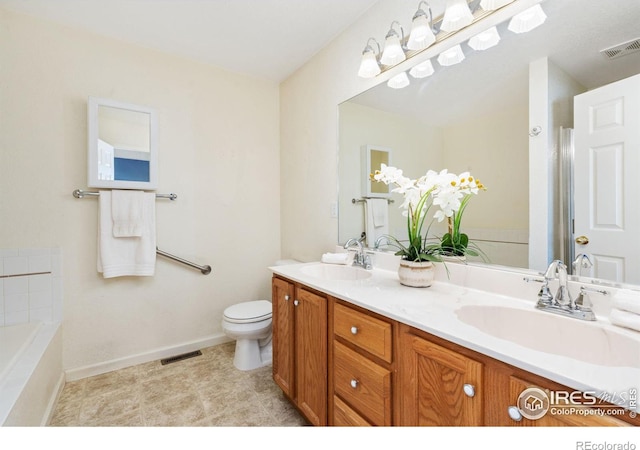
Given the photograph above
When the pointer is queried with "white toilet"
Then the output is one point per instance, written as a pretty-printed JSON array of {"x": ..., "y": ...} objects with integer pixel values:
[{"x": 249, "y": 323}]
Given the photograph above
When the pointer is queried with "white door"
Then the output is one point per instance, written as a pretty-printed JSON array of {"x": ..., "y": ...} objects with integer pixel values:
[{"x": 607, "y": 180}]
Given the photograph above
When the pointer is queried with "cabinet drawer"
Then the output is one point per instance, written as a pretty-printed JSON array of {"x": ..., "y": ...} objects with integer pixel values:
[
  {"x": 363, "y": 384},
  {"x": 343, "y": 416},
  {"x": 368, "y": 333}
]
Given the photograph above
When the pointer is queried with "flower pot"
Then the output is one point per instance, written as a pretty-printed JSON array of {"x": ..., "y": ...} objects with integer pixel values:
[
  {"x": 416, "y": 273},
  {"x": 453, "y": 258}
]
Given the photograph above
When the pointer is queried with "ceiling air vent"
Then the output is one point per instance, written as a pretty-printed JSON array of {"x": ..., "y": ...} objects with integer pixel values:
[{"x": 619, "y": 50}]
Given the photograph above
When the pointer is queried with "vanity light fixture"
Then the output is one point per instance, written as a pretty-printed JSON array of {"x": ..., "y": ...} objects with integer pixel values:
[
  {"x": 422, "y": 70},
  {"x": 527, "y": 20},
  {"x": 451, "y": 56},
  {"x": 457, "y": 15},
  {"x": 490, "y": 5},
  {"x": 425, "y": 31},
  {"x": 485, "y": 40},
  {"x": 369, "y": 66},
  {"x": 399, "y": 81},
  {"x": 422, "y": 34},
  {"x": 393, "y": 52}
]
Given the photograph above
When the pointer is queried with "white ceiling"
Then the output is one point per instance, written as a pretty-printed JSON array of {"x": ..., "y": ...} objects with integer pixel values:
[{"x": 263, "y": 38}]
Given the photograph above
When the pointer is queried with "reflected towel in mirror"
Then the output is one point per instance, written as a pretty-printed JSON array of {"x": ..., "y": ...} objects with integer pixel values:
[{"x": 377, "y": 219}]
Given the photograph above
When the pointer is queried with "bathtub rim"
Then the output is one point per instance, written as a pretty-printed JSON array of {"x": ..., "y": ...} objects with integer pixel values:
[{"x": 17, "y": 377}]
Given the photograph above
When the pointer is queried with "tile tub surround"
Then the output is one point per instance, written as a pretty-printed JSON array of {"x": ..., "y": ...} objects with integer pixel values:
[
  {"x": 206, "y": 390},
  {"x": 30, "y": 298},
  {"x": 434, "y": 309}
]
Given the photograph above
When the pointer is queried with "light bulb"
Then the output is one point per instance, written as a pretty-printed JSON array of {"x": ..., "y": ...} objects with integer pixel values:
[
  {"x": 399, "y": 81},
  {"x": 422, "y": 70}
]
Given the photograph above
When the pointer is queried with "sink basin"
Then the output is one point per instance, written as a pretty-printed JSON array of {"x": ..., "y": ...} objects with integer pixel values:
[
  {"x": 336, "y": 272},
  {"x": 545, "y": 332}
]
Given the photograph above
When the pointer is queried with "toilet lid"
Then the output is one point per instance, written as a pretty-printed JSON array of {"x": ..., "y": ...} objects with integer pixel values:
[{"x": 248, "y": 312}]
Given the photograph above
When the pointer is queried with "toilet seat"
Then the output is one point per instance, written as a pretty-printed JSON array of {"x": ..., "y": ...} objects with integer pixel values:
[{"x": 248, "y": 312}]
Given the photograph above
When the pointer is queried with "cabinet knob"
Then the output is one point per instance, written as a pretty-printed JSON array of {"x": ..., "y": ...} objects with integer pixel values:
[
  {"x": 296, "y": 302},
  {"x": 469, "y": 390},
  {"x": 514, "y": 413},
  {"x": 354, "y": 383},
  {"x": 354, "y": 330},
  {"x": 286, "y": 298}
]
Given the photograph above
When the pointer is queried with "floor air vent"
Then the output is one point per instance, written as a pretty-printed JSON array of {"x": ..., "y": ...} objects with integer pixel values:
[
  {"x": 180, "y": 357},
  {"x": 622, "y": 49}
]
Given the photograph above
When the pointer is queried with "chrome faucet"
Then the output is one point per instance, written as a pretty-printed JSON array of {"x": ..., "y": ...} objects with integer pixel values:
[
  {"x": 361, "y": 259},
  {"x": 376, "y": 245},
  {"x": 562, "y": 303},
  {"x": 582, "y": 261}
]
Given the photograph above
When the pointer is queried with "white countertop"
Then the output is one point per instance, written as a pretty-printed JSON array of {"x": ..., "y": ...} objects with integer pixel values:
[{"x": 436, "y": 310}]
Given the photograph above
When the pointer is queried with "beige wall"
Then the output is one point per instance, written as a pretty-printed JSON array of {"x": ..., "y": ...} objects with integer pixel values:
[
  {"x": 414, "y": 146},
  {"x": 309, "y": 102},
  {"x": 218, "y": 150}
]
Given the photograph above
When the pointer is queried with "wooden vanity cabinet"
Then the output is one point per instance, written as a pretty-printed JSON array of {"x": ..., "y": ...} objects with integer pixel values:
[
  {"x": 343, "y": 365},
  {"x": 300, "y": 347},
  {"x": 361, "y": 367}
]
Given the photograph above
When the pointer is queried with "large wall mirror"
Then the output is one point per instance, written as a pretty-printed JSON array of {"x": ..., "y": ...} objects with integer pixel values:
[
  {"x": 122, "y": 145},
  {"x": 475, "y": 116}
]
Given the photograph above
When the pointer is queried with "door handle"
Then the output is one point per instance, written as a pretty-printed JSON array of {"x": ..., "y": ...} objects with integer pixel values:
[{"x": 582, "y": 240}]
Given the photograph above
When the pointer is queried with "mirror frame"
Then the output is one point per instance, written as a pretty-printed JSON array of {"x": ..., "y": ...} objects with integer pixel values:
[{"x": 93, "y": 125}]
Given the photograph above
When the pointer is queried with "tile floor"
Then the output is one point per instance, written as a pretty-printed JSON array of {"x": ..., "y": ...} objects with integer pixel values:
[{"x": 206, "y": 390}]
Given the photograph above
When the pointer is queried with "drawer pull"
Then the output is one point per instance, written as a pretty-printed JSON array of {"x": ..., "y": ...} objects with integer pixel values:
[
  {"x": 354, "y": 383},
  {"x": 296, "y": 302},
  {"x": 286, "y": 298},
  {"x": 514, "y": 413},
  {"x": 469, "y": 390},
  {"x": 354, "y": 330}
]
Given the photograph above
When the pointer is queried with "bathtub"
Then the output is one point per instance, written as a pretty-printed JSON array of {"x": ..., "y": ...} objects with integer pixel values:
[{"x": 31, "y": 375}]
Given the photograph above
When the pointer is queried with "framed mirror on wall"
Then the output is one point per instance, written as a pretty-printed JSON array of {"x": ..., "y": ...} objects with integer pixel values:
[
  {"x": 477, "y": 116},
  {"x": 122, "y": 145}
]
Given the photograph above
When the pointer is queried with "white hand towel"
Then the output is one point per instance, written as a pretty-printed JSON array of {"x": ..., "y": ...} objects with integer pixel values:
[
  {"x": 124, "y": 256},
  {"x": 625, "y": 319},
  {"x": 335, "y": 258},
  {"x": 627, "y": 300},
  {"x": 377, "y": 219},
  {"x": 126, "y": 211}
]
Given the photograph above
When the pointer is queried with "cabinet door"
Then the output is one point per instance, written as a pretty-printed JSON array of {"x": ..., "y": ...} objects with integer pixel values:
[
  {"x": 283, "y": 335},
  {"x": 311, "y": 355},
  {"x": 439, "y": 387},
  {"x": 565, "y": 415}
]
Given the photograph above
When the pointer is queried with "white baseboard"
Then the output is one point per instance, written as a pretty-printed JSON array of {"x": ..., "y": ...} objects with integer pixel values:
[{"x": 141, "y": 358}]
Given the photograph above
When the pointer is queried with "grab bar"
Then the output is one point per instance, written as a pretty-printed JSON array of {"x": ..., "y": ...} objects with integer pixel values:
[
  {"x": 206, "y": 270},
  {"x": 79, "y": 193}
]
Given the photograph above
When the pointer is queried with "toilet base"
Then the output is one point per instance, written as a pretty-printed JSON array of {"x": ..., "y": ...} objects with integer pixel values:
[{"x": 249, "y": 355}]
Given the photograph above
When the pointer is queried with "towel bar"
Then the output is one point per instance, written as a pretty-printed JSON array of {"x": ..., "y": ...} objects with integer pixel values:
[
  {"x": 79, "y": 193},
  {"x": 362, "y": 200}
]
